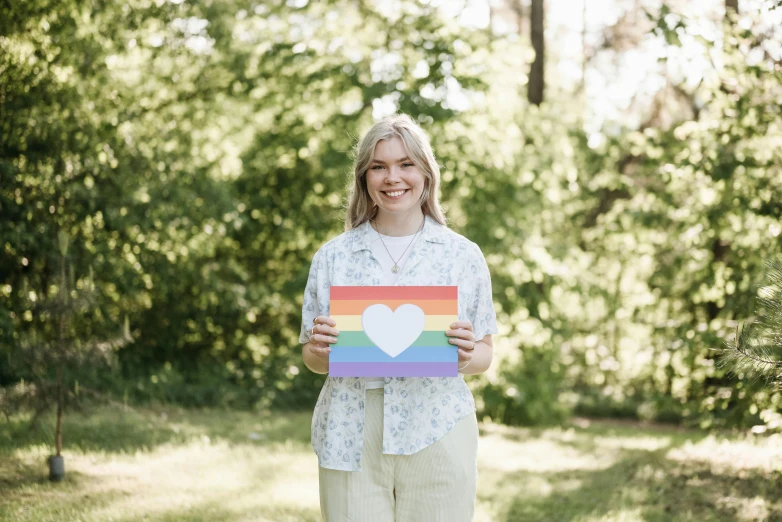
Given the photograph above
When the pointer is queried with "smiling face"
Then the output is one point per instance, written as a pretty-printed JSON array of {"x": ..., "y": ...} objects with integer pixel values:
[{"x": 394, "y": 182}]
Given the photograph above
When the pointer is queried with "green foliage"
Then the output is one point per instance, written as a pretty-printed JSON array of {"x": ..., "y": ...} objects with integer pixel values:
[
  {"x": 633, "y": 258},
  {"x": 527, "y": 393},
  {"x": 198, "y": 154}
]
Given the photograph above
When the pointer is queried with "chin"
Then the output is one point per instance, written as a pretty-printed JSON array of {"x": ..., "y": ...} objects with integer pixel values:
[{"x": 399, "y": 209}]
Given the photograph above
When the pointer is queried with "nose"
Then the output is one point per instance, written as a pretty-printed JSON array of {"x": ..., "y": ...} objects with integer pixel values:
[{"x": 393, "y": 175}]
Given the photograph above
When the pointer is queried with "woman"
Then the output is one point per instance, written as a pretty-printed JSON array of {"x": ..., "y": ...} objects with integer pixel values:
[{"x": 397, "y": 449}]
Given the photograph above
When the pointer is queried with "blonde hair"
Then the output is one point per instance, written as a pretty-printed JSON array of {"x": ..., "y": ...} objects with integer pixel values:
[{"x": 361, "y": 208}]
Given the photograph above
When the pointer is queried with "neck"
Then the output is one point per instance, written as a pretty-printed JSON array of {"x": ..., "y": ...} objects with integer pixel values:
[{"x": 398, "y": 224}]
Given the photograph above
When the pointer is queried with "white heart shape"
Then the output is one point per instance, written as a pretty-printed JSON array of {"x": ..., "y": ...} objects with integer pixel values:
[{"x": 393, "y": 332}]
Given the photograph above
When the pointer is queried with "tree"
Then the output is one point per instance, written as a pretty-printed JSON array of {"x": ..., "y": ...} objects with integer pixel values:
[
  {"x": 55, "y": 352},
  {"x": 536, "y": 75}
]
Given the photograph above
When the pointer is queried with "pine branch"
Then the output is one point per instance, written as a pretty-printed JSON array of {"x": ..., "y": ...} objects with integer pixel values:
[{"x": 756, "y": 353}]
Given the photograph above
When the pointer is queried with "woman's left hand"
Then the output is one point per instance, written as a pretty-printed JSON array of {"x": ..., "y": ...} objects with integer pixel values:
[{"x": 461, "y": 335}]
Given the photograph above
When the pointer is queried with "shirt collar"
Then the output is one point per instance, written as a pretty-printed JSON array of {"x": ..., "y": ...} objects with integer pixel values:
[{"x": 433, "y": 232}]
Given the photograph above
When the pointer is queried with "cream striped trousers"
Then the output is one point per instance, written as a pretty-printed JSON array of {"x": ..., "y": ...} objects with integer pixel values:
[{"x": 435, "y": 484}]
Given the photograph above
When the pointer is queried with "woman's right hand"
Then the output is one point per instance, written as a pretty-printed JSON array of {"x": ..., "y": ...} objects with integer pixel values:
[{"x": 323, "y": 335}]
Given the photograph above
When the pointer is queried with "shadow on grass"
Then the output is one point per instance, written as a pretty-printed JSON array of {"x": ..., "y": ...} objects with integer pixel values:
[
  {"x": 84, "y": 497},
  {"x": 644, "y": 485},
  {"x": 622, "y": 471},
  {"x": 29, "y": 495},
  {"x": 588, "y": 432},
  {"x": 117, "y": 431},
  {"x": 23, "y": 450}
]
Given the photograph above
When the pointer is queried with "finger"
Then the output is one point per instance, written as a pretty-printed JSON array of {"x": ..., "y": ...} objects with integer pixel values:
[
  {"x": 465, "y": 355},
  {"x": 467, "y": 325},
  {"x": 462, "y": 334},
  {"x": 322, "y": 319},
  {"x": 461, "y": 343},
  {"x": 323, "y": 353},
  {"x": 320, "y": 338},
  {"x": 325, "y": 330}
]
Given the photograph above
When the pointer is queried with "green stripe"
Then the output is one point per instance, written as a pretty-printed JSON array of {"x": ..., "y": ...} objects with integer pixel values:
[{"x": 360, "y": 339}]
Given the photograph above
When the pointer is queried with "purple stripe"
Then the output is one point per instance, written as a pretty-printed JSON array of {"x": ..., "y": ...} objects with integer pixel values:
[{"x": 393, "y": 369}]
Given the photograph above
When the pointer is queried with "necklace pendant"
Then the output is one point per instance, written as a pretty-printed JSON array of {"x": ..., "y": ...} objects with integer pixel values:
[{"x": 395, "y": 269}]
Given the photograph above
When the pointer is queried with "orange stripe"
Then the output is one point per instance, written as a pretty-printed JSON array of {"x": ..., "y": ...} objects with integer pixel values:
[{"x": 430, "y": 307}]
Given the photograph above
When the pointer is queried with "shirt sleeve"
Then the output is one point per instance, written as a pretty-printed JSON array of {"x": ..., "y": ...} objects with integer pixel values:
[
  {"x": 480, "y": 306},
  {"x": 311, "y": 307}
]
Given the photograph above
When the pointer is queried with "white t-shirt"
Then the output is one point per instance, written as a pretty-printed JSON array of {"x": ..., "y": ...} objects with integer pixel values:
[{"x": 396, "y": 246}]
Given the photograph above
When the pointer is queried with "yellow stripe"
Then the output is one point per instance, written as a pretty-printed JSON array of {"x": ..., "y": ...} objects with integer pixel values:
[{"x": 434, "y": 323}]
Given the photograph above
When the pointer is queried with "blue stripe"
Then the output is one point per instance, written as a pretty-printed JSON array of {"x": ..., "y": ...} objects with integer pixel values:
[{"x": 374, "y": 354}]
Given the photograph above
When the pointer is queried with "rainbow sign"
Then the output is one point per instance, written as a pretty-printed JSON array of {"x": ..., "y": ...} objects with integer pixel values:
[{"x": 393, "y": 331}]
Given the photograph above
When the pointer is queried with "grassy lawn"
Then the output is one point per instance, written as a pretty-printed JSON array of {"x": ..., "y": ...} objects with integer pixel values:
[{"x": 167, "y": 464}]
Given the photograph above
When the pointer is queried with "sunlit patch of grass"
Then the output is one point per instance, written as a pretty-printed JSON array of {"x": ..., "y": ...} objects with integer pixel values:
[
  {"x": 747, "y": 453},
  {"x": 242, "y": 479},
  {"x": 609, "y": 471},
  {"x": 169, "y": 464},
  {"x": 184, "y": 465}
]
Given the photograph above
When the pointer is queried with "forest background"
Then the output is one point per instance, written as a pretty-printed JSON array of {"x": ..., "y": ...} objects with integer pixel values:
[{"x": 618, "y": 162}]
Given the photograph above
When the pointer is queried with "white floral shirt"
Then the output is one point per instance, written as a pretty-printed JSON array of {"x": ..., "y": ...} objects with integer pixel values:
[{"x": 417, "y": 411}]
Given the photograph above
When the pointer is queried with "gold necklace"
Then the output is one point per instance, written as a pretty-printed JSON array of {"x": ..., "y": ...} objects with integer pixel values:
[{"x": 395, "y": 269}]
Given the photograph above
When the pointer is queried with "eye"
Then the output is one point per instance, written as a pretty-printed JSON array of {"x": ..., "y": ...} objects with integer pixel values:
[
  {"x": 376, "y": 167},
  {"x": 408, "y": 165}
]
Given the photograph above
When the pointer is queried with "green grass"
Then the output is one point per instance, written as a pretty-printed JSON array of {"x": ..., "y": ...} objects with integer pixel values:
[{"x": 167, "y": 464}]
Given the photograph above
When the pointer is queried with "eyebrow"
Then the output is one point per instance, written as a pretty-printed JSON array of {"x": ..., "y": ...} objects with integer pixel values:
[{"x": 397, "y": 161}]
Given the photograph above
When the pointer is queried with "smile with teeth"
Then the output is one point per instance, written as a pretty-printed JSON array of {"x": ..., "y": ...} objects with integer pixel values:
[{"x": 395, "y": 193}]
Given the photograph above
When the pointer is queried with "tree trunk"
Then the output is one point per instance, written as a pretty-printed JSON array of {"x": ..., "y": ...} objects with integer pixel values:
[
  {"x": 731, "y": 11},
  {"x": 61, "y": 339},
  {"x": 536, "y": 78},
  {"x": 731, "y": 6},
  {"x": 58, "y": 430},
  {"x": 584, "y": 57}
]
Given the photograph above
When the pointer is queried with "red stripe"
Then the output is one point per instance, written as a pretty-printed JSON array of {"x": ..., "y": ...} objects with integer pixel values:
[{"x": 348, "y": 293}]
